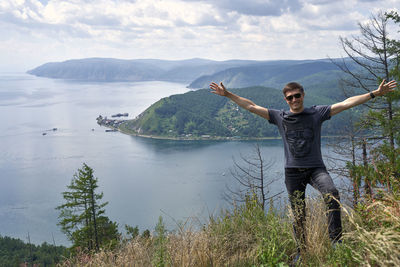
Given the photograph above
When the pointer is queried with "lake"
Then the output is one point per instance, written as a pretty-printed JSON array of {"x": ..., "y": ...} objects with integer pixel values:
[{"x": 140, "y": 178}]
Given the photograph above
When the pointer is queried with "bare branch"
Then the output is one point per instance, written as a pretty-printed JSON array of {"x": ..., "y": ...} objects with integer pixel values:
[{"x": 251, "y": 177}]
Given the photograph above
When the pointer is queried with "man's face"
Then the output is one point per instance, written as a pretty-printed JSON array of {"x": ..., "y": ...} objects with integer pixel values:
[{"x": 295, "y": 99}]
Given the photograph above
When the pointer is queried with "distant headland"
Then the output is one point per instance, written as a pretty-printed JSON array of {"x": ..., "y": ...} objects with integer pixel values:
[{"x": 196, "y": 73}]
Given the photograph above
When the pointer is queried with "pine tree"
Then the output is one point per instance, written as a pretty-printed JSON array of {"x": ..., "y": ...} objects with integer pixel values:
[
  {"x": 82, "y": 215},
  {"x": 375, "y": 58}
]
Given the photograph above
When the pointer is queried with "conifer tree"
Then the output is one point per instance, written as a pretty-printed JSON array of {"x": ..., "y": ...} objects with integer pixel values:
[
  {"x": 375, "y": 57},
  {"x": 82, "y": 215}
]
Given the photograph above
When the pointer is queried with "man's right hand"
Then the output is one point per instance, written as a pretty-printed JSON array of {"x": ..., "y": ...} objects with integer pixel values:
[{"x": 218, "y": 89}]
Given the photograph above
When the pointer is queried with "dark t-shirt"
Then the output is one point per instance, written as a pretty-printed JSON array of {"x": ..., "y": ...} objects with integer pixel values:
[{"x": 301, "y": 135}]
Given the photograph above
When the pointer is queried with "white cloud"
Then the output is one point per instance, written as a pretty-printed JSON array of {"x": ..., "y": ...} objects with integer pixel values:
[
  {"x": 33, "y": 31},
  {"x": 255, "y": 7}
]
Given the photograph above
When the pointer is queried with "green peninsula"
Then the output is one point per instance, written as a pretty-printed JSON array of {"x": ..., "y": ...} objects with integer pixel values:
[{"x": 202, "y": 115}]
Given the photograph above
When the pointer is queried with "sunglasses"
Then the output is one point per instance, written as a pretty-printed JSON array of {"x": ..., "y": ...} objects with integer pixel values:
[{"x": 290, "y": 97}]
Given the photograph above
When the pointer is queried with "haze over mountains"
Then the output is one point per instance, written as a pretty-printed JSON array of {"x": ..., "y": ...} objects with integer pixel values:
[
  {"x": 197, "y": 73},
  {"x": 110, "y": 70}
]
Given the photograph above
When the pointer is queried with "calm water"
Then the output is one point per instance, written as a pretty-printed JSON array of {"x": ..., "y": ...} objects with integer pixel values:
[{"x": 141, "y": 178}]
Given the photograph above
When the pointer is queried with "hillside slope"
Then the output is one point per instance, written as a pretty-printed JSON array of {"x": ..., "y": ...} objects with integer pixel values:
[
  {"x": 200, "y": 113},
  {"x": 310, "y": 74}
]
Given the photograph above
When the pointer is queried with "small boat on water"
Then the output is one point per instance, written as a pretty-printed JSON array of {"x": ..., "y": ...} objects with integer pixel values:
[
  {"x": 120, "y": 115},
  {"x": 111, "y": 130}
]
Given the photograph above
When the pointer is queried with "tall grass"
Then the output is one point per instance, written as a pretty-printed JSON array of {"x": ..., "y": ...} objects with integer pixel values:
[
  {"x": 376, "y": 232},
  {"x": 248, "y": 236}
]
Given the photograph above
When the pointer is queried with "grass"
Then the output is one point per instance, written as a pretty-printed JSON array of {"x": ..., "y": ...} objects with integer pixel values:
[{"x": 247, "y": 236}]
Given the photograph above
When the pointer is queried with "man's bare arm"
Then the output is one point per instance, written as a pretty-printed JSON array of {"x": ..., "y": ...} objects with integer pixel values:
[
  {"x": 353, "y": 101},
  {"x": 219, "y": 89}
]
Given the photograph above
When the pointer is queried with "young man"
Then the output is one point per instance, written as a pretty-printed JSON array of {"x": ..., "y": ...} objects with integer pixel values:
[{"x": 300, "y": 129}]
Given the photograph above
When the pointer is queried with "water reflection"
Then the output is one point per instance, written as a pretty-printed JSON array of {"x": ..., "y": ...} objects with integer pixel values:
[{"x": 165, "y": 145}]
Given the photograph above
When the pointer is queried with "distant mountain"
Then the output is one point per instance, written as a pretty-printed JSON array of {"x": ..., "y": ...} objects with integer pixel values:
[
  {"x": 273, "y": 74},
  {"x": 198, "y": 72},
  {"x": 98, "y": 69},
  {"x": 109, "y": 70},
  {"x": 189, "y": 72},
  {"x": 198, "y": 113}
]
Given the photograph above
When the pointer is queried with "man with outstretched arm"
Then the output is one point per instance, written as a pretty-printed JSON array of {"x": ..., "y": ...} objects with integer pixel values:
[{"x": 300, "y": 129}]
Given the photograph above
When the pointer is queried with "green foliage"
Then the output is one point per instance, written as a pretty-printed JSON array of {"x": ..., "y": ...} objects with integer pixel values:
[
  {"x": 277, "y": 242},
  {"x": 109, "y": 235},
  {"x": 14, "y": 252},
  {"x": 146, "y": 234},
  {"x": 160, "y": 257},
  {"x": 394, "y": 16},
  {"x": 343, "y": 255},
  {"x": 82, "y": 215},
  {"x": 248, "y": 229},
  {"x": 198, "y": 113},
  {"x": 132, "y": 232}
]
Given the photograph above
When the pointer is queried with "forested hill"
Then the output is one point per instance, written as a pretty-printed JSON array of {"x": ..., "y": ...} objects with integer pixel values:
[
  {"x": 201, "y": 114},
  {"x": 313, "y": 75},
  {"x": 15, "y": 252}
]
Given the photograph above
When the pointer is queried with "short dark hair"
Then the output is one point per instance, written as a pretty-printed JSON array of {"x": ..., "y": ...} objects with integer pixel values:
[{"x": 292, "y": 86}]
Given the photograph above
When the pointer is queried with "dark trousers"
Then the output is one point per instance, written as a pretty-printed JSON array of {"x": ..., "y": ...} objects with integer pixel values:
[{"x": 296, "y": 180}]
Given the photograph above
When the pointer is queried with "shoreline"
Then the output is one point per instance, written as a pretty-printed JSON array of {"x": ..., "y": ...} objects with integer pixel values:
[
  {"x": 199, "y": 138},
  {"x": 118, "y": 125}
]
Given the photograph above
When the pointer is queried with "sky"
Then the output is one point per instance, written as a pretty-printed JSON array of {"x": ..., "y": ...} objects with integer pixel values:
[{"x": 33, "y": 32}]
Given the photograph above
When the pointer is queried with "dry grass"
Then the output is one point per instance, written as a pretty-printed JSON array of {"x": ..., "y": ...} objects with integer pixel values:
[
  {"x": 186, "y": 248},
  {"x": 317, "y": 236},
  {"x": 246, "y": 237},
  {"x": 376, "y": 230},
  {"x": 135, "y": 253}
]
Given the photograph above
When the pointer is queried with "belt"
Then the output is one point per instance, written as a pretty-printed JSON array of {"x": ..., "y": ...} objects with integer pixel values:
[{"x": 303, "y": 169}]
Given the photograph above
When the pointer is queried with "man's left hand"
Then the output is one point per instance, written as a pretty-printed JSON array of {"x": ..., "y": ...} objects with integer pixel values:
[{"x": 385, "y": 88}]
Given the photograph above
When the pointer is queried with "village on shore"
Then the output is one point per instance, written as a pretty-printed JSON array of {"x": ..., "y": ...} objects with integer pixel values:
[{"x": 114, "y": 125}]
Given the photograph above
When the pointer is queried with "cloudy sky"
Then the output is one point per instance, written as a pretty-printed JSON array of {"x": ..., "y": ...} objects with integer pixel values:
[{"x": 33, "y": 32}]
